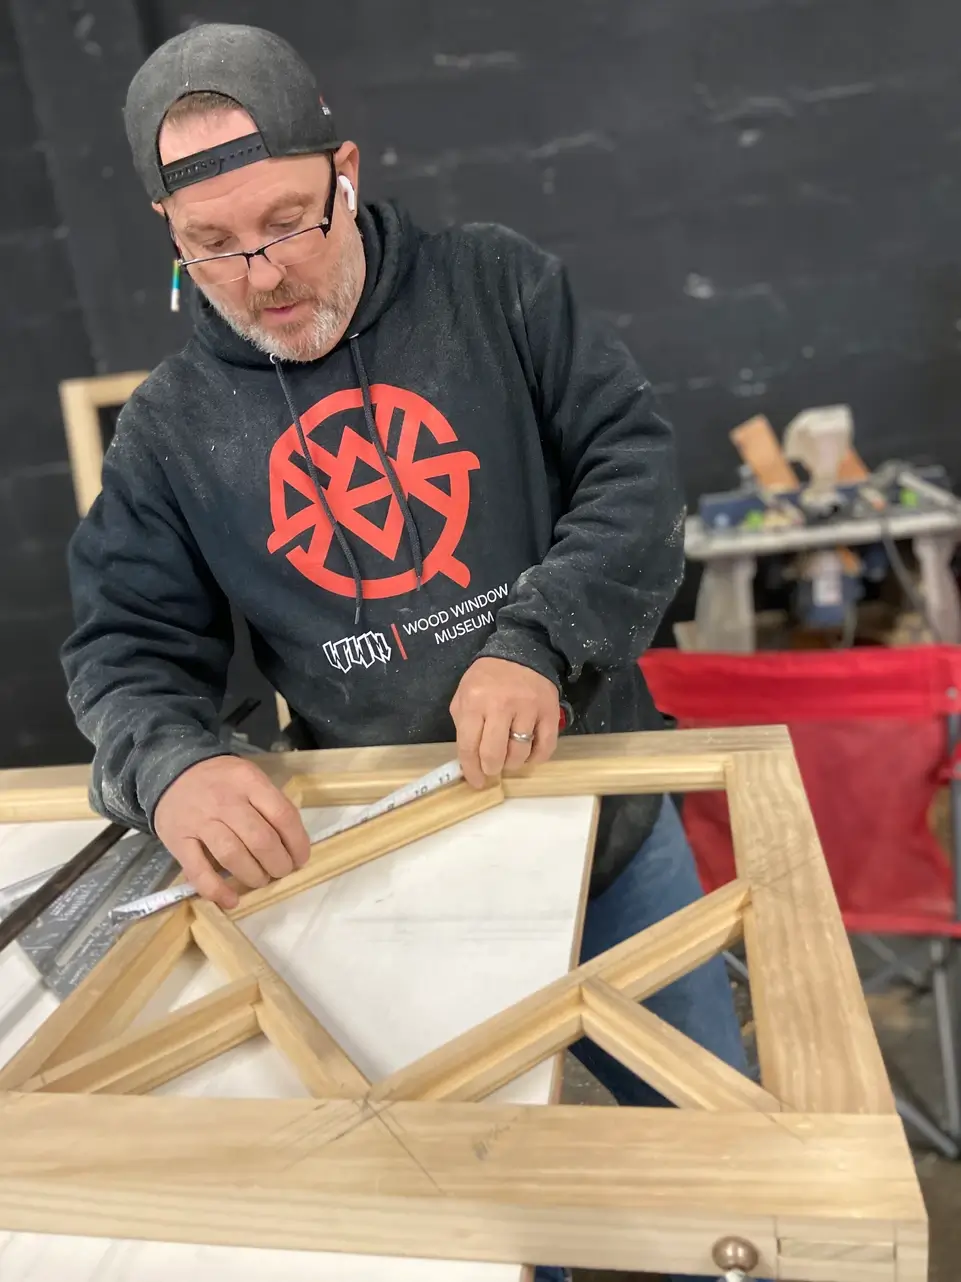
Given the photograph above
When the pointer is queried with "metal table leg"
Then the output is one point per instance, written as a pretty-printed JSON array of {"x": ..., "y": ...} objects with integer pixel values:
[
  {"x": 724, "y": 611},
  {"x": 927, "y": 1129},
  {"x": 940, "y": 591},
  {"x": 942, "y": 957}
]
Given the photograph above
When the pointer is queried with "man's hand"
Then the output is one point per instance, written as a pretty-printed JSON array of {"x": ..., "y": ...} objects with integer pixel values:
[
  {"x": 493, "y": 699},
  {"x": 228, "y": 808}
]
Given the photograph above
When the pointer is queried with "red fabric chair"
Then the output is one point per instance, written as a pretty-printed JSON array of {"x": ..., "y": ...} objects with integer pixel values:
[
  {"x": 870, "y": 730},
  {"x": 874, "y": 733}
]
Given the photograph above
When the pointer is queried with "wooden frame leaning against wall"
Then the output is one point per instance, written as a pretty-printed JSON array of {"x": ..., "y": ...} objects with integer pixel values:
[
  {"x": 81, "y": 400},
  {"x": 809, "y": 1170}
]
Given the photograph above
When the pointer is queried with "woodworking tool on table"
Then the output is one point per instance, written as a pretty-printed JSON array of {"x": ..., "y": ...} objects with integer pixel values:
[
  {"x": 448, "y": 773},
  {"x": 67, "y": 938},
  {"x": 53, "y": 888}
]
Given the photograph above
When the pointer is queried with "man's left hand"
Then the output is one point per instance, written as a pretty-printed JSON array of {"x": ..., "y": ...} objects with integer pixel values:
[{"x": 494, "y": 699}]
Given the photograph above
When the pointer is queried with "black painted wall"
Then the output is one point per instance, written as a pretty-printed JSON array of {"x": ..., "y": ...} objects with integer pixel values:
[
  {"x": 764, "y": 195},
  {"x": 43, "y": 337}
]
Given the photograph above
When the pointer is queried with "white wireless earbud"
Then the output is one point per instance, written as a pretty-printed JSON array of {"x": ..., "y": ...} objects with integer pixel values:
[{"x": 348, "y": 189}]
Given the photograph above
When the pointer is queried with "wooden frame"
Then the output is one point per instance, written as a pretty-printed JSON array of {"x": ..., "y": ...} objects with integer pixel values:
[
  {"x": 811, "y": 1167},
  {"x": 80, "y": 401}
]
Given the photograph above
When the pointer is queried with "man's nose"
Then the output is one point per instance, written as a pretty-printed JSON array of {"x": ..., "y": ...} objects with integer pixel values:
[{"x": 263, "y": 274}]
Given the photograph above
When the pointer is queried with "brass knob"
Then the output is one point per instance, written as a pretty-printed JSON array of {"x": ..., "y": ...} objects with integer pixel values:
[{"x": 732, "y": 1254}]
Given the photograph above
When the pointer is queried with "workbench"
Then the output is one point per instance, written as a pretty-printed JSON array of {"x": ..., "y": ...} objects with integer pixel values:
[
  {"x": 395, "y": 957},
  {"x": 724, "y": 613}
]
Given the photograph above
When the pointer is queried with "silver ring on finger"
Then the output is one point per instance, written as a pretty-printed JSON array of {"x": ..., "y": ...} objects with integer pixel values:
[{"x": 518, "y": 737}]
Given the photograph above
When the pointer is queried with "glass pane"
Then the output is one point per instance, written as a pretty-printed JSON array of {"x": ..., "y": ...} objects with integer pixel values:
[
  {"x": 219, "y": 271},
  {"x": 296, "y": 249}
]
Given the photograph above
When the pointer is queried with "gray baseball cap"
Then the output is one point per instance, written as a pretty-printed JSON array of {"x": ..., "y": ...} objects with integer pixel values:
[{"x": 260, "y": 71}]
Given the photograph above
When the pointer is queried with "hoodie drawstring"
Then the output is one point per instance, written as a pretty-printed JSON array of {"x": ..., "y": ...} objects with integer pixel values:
[
  {"x": 413, "y": 536},
  {"x": 322, "y": 496}
]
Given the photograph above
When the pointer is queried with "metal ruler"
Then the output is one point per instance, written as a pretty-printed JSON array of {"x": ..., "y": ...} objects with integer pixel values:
[
  {"x": 430, "y": 782},
  {"x": 68, "y": 939},
  {"x": 153, "y": 867}
]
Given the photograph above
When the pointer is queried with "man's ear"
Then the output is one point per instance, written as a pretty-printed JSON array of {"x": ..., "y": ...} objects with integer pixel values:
[
  {"x": 161, "y": 210},
  {"x": 347, "y": 162}
]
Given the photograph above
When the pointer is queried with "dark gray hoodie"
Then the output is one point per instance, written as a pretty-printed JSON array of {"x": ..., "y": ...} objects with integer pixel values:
[{"x": 477, "y": 469}]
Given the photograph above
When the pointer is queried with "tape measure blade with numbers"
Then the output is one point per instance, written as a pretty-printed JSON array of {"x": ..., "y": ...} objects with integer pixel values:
[{"x": 435, "y": 779}]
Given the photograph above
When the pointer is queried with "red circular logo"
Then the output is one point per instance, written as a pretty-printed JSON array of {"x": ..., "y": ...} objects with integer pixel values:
[{"x": 417, "y": 477}]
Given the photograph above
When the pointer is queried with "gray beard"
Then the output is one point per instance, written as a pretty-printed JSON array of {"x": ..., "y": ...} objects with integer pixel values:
[{"x": 316, "y": 336}]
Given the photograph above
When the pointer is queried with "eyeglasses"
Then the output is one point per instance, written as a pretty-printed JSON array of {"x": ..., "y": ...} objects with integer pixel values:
[{"x": 285, "y": 251}]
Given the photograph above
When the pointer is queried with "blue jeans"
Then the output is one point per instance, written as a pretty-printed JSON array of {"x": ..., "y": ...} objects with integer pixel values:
[{"x": 660, "y": 879}]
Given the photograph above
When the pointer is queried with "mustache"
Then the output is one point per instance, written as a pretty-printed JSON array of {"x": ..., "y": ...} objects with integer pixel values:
[{"x": 286, "y": 293}]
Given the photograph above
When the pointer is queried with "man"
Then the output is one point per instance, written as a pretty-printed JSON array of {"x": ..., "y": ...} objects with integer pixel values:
[{"x": 440, "y": 496}]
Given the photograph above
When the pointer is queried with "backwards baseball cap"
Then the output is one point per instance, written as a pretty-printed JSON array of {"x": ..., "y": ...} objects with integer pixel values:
[{"x": 261, "y": 72}]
